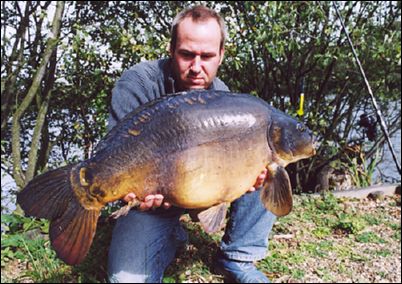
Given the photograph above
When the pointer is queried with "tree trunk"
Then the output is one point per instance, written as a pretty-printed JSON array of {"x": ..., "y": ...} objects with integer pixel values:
[
  {"x": 40, "y": 121},
  {"x": 51, "y": 45}
]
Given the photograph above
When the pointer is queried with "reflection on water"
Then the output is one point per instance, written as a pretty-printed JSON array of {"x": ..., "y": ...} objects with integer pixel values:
[{"x": 387, "y": 169}]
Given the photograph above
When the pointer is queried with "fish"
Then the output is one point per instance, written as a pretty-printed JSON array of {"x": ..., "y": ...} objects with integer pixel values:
[{"x": 200, "y": 149}]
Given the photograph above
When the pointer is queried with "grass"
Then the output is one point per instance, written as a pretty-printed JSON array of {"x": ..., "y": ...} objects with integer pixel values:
[{"x": 323, "y": 240}]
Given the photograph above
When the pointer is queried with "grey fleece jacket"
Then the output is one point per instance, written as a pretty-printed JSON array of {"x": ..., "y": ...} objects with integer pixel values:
[{"x": 142, "y": 83}]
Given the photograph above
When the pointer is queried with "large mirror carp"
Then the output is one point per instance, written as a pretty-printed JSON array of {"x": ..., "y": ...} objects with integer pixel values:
[{"x": 199, "y": 149}]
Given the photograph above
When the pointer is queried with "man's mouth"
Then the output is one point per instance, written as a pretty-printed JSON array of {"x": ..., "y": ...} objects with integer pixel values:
[{"x": 196, "y": 80}]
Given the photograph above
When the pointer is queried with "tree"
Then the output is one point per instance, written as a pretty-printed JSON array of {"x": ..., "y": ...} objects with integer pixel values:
[{"x": 48, "y": 59}]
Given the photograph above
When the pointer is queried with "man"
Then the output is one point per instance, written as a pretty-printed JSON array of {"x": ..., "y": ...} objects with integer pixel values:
[{"x": 145, "y": 241}]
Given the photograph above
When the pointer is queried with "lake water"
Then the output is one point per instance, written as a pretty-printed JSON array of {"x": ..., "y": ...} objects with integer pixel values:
[{"x": 387, "y": 168}]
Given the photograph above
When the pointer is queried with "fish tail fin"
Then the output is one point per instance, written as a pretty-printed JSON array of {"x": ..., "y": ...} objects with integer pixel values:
[
  {"x": 276, "y": 194},
  {"x": 71, "y": 235},
  {"x": 47, "y": 195},
  {"x": 72, "y": 227}
]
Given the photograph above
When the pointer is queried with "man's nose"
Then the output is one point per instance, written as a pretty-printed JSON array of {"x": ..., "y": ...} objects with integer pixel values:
[{"x": 196, "y": 65}]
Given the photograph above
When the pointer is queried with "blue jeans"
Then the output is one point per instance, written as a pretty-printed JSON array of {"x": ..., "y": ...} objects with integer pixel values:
[{"x": 144, "y": 243}]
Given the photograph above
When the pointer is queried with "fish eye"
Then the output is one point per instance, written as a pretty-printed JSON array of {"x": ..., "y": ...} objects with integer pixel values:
[{"x": 300, "y": 127}]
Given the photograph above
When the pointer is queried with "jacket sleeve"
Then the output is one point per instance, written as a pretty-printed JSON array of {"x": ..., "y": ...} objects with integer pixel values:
[{"x": 133, "y": 89}]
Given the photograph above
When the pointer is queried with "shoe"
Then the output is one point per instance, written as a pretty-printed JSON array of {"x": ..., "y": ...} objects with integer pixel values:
[{"x": 239, "y": 271}]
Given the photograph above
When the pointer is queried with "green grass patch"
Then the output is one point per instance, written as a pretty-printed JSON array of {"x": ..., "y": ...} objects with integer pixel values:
[
  {"x": 383, "y": 252},
  {"x": 298, "y": 274},
  {"x": 325, "y": 274},
  {"x": 296, "y": 257},
  {"x": 169, "y": 280},
  {"x": 373, "y": 219},
  {"x": 397, "y": 228},
  {"x": 318, "y": 248},
  {"x": 350, "y": 224},
  {"x": 328, "y": 204},
  {"x": 369, "y": 237},
  {"x": 274, "y": 265},
  {"x": 323, "y": 231}
]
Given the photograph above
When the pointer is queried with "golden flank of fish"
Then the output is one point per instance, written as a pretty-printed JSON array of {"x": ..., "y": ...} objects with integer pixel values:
[{"x": 200, "y": 150}]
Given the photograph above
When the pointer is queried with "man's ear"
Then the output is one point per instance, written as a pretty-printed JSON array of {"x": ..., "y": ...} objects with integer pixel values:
[
  {"x": 222, "y": 54},
  {"x": 169, "y": 49}
]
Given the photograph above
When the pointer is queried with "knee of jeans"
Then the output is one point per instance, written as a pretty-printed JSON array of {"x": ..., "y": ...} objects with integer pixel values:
[{"x": 127, "y": 277}]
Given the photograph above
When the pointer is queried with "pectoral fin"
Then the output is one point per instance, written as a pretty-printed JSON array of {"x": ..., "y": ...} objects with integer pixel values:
[
  {"x": 276, "y": 194},
  {"x": 213, "y": 218}
]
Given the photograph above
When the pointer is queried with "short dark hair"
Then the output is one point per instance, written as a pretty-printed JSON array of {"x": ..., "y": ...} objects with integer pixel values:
[{"x": 197, "y": 13}]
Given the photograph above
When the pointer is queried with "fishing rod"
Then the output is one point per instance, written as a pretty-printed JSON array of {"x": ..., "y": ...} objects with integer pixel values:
[{"x": 378, "y": 111}]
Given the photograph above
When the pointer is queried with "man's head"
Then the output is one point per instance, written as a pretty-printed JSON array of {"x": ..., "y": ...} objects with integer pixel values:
[{"x": 197, "y": 47}]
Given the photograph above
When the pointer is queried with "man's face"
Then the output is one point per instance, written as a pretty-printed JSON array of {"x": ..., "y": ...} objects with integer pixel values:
[{"x": 197, "y": 54}]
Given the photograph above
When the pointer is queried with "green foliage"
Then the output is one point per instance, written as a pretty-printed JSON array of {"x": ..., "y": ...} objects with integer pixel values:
[
  {"x": 322, "y": 232},
  {"x": 298, "y": 274},
  {"x": 373, "y": 219},
  {"x": 397, "y": 234},
  {"x": 26, "y": 240},
  {"x": 274, "y": 264},
  {"x": 360, "y": 170},
  {"x": 369, "y": 237},
  {"x": 328, "y": 203},
  {"x": 350, "y": 224}
]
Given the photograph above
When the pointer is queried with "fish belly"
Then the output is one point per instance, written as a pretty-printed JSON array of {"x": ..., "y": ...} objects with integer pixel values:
[{"x": 219, "y": 171}]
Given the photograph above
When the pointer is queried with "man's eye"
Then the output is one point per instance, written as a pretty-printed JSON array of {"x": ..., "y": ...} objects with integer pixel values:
[
  {"x": 206, "y": 57},
  {"x": 187, "y": 55}
]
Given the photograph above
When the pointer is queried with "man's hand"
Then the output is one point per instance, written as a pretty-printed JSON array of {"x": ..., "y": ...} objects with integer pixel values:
[
  {"x": 151, "y": 201},
  {"x": 155, "y": 201},
  {"x": 260, "y": 181}
]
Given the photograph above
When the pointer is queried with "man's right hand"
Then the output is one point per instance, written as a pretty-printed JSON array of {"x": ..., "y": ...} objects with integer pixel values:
[{"x": 150, "y": 201}]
